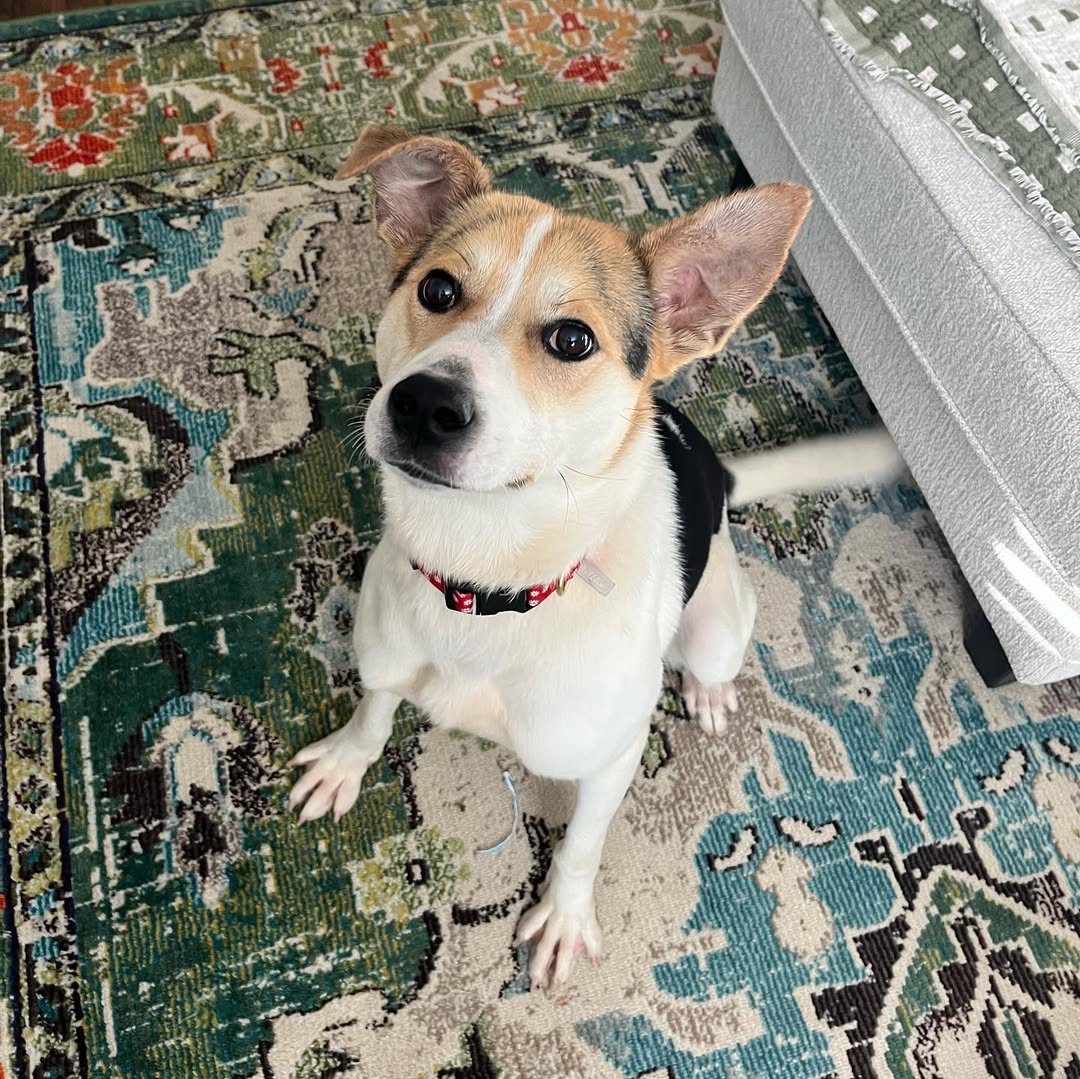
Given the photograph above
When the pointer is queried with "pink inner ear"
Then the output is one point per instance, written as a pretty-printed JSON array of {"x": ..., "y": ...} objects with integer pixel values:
[
  {"x": 685, "y": 298},
  {"x": 415, "y": 201},
  {"x": 411, "y": 190}
]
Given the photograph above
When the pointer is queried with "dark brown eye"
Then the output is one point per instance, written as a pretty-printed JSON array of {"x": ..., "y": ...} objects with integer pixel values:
[
  {"x": 570, "y": 340},
  {"x": 438, "y": 291}
]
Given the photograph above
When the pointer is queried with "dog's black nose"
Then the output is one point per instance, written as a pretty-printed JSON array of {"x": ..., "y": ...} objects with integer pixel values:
[{"x": 424, "y": 408}]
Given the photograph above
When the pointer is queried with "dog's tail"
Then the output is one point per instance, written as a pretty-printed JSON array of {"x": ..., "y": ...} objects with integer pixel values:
[{"x": 859, "y": 459}]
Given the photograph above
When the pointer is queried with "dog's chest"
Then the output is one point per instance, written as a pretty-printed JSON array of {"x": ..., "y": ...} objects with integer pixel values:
[{"x": 531, "y": 683}]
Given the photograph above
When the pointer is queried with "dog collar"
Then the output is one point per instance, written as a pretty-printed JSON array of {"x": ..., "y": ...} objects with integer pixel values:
[{"x": 467, "y": 599}]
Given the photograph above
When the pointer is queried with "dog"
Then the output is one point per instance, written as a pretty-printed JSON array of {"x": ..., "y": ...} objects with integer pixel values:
[{"x": 554, "y": 533}]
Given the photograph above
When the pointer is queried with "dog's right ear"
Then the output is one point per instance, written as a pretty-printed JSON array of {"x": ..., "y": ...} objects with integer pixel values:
[{"x": 418, "y": 180}]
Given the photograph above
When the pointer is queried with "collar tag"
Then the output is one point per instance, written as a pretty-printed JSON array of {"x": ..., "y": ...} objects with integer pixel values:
[{"x": 595, "y": 577}]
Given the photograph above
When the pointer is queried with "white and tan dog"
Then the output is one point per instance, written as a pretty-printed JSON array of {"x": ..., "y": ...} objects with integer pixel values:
[{"x": 527, "y": 467}]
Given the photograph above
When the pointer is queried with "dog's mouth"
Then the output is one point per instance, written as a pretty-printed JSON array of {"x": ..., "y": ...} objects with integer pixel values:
[{"x": 419, "y": 476}]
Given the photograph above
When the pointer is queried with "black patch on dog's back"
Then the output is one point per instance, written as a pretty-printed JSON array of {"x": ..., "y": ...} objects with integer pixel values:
[{"x": 702, "y": 486}]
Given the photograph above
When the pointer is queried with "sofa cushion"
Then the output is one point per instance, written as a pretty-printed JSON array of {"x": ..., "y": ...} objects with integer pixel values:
[{"x": 972, "y": 354}]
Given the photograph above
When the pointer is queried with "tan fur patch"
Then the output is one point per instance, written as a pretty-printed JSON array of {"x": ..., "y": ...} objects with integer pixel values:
[
  {"x": 639, "y": 416},
  {"x": 577, "y": 270}
]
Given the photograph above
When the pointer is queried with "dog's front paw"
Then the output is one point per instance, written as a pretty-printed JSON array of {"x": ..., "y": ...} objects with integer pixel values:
[
  {"x": 559, "y": 936},
  {"x": 709, "y": 705},
  {"x": 335, "y": 768}
]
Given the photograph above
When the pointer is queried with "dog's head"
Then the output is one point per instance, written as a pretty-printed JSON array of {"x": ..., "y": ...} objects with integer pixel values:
[{"x": 519, "y": 340}]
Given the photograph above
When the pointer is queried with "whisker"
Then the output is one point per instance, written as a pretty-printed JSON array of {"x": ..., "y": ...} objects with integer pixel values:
[
  {"x": 569, "y": 494},
  {"x": 580, "y": 297},
  {"x": 363, "y": 399},
  {"x": 355, "y": 445},
  {"x": 461, "y": 255},
  {"x": 590, "y": 476}
]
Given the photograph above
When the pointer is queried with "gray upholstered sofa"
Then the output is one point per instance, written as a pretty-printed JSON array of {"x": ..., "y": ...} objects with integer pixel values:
[{"x": 958, "y": 310}]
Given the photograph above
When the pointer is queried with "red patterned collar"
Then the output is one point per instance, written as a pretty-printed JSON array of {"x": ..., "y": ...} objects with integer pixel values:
[{"x": 467, "y": 599}]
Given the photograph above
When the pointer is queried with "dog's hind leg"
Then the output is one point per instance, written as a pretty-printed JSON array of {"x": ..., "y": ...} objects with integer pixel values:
[{"x": 713, "y": 635}]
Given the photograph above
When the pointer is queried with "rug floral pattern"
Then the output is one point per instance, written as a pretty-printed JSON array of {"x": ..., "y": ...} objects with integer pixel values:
[{"x": 876, "y": 873}]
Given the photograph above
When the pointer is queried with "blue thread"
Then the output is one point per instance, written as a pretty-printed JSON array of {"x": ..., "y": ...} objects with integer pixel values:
[{"x": 509, "y": 780}]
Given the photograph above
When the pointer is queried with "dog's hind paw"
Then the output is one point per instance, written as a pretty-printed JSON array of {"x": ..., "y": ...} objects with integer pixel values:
[
  {"x": 709, "y": 705},
  {"x": 335, "y": 768}
]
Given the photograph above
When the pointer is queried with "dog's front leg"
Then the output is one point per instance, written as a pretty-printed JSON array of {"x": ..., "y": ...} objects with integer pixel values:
[
  {"x": 563, "y": 923},
  {"x": 336, "y": 764}
]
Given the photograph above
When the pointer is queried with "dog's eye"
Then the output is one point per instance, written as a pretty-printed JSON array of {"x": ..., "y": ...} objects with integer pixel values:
[
  {"x": 438, "y": 291},
  {"x": 570, "y": 340}
]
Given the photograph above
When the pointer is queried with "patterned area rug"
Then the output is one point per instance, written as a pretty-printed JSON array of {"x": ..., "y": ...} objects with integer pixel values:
[{"x": 875, "y": 873}]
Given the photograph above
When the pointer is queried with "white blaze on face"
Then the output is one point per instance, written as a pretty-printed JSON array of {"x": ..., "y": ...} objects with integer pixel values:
[
  {"x": 512, "y": 432},
  {"x": 507, "y": 299},
  {"x": 526, "y": 434}
]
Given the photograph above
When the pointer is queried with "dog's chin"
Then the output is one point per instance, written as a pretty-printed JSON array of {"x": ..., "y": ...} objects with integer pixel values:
[{"x": 423, "y": 478}]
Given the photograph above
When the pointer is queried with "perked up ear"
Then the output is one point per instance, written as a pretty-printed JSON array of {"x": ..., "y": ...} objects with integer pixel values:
[
  {"x": 418, "y": 180},
  {"x": 710, "y": 269}
]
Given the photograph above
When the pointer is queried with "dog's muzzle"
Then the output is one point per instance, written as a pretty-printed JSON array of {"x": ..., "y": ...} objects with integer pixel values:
[{"x": 432, "y": 420}]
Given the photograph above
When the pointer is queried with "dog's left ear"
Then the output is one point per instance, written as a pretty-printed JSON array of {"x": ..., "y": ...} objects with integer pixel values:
[
  {"x": 710, "y": 269},
  {"x": 418, "y": 180}
]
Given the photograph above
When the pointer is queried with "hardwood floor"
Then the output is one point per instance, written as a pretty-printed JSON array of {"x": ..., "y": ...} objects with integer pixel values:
[{"x": 14, "y": 9}]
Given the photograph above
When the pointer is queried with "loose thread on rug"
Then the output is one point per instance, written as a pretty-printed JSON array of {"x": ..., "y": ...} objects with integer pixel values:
[{"x": 508, "y": 779}]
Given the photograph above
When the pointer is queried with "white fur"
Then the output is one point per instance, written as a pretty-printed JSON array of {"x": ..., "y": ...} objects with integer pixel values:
[
  {"x": 714, "y": 631},
  {"x": 570, "y": 687},
  {"x": 862, "y": 459}
]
